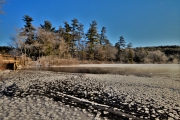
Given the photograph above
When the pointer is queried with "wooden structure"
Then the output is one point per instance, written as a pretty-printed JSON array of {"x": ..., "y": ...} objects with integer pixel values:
[{"x": 10, "y": 62}]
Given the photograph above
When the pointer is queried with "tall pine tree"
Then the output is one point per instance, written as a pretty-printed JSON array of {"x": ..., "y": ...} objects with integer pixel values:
[
  {"x": 74, "y": 36},
  {"x": 48, "y": 26},
  {"x": 92, "y": 39},
  {"x": 120, "y": 45}
]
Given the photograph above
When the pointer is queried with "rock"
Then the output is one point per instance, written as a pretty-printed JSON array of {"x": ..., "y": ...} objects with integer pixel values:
[
  {"x": 105, "y": 112},
  {"x": 147, "y": 112},
  {"x": 90, "y": 115},
  {"x": 153, "y": 116},
  {"x": 105, "y": 118},
  {"x": 75, "y": 109},
  {"x": 177, "y": 117},
  {"x": 115, "y": 109},
  {"x": 171, "y": 114},
  {"x": 84, "y": 111},
  {"x": 160, "y": 111},
  {"x": 170, "y": 118},
  {"x": 146, "y": 109},
  {"x": 138, "y": 108}
]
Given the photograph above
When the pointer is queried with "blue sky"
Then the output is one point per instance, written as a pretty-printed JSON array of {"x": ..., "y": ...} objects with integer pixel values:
[{"x": 142, "y": 22}]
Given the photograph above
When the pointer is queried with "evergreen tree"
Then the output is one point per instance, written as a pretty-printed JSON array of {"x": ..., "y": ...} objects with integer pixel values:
[
  {"x": 130, "y": 55},
  {"x": 103, "y": 37},
  {"x": 92, "y": 39},
  {"x": 60, "y": 33},
  {"x": 81, "y": 42},
  {"x": 48, "y": 26},
  {"x": 120, "y": 45},
  {"x": 129, "y": 45},
  {"x": 74, "y": 25},
  {"x": 28, "y": 27},
  {"x": 122, "y": 42},
  {"x": 102, "y": 49},
  {"x": 28, "y": 32},
  {"x": 68, "y": 37},
  {"x": 74, "y": 35}
]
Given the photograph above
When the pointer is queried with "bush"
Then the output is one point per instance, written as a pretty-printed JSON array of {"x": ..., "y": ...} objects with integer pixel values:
[
  {"x": 174, "y": 59},
  {"x": 140, "y": 55},
  {"x": 130, "y": 56},
  {"x": 70, "y": 61},
  {"x": 48, "y": 61},
  {"x": 127, "y": 56},
  {"x": 156, "y": 57}
]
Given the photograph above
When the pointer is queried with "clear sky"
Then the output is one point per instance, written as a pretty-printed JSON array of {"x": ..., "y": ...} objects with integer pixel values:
[{"x": 142, "y": 22}]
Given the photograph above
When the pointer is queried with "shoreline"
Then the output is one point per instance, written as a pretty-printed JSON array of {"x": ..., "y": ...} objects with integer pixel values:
[{"x": 121, "y": 69}]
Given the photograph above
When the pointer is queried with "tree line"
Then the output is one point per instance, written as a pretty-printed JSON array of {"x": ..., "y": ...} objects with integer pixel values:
[{"x": 70, "y": 41}]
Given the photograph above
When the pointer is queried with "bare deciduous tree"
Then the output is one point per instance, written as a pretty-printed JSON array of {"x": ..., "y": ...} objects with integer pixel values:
[
  {"x": 2, "y": 2},
  {"x": 18, "y": 43},
  {"x": 110, "y": 53}
]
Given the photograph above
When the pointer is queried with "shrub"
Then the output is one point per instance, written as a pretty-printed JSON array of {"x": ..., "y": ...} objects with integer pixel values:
[
  {"x": 48, "y": 61},
  {"x": 130, "y": 56},
  {"x": 140, "y": 55},
  {"x": 156, "y": 57},
  {"x": 70, "y": 61},
  {"x": 127, "y": 56},
  {"x": 173, "y": 59}
]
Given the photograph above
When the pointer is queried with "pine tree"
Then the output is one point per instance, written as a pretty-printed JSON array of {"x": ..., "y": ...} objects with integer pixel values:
[
  {"x": 28, "y": 27},
  {"x": 28, "y": 32},
  {"x": 103, "y": 37},
  {"x": 129, "y": 45},
  {"x": 130, "y": 55},
  {"x": 122, "y": 42},
  {"x": 68, "y": 37},
  {"x": 48, "y": 26},
  {"x": 92, "y": 39},
  {"x": 120, "y": 45},
  {"x": 102, "y": 49},
  {"x": 81, "y": 42},
  {"x": 74, "y": 36}
]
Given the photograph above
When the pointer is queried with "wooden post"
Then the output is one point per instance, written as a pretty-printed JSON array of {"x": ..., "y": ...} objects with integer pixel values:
[{"x": 14, "y": 66}]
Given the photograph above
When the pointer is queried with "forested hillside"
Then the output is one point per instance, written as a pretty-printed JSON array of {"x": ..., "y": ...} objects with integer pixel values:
[{"x": 71, "y": 42}]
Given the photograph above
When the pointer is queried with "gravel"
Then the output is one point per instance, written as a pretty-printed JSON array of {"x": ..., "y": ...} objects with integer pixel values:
[{"x": 28, "y": 95}]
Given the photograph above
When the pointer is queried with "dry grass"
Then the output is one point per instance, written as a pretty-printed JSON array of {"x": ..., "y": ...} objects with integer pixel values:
[
  {"x": 70, "y": 61},
  {"x": 47, "y": 61},
  {"x": 1, "y": 63},
  {"x": 95, "y": 62}
]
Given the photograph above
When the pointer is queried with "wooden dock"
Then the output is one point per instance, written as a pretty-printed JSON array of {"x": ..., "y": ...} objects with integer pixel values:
[{"x": 10, "y": 62}]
